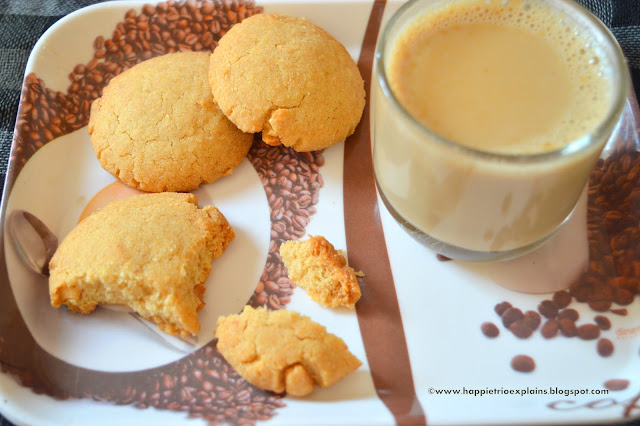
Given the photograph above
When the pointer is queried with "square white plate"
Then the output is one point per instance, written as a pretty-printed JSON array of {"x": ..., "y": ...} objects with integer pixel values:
[{"x": 60, "y": 368}]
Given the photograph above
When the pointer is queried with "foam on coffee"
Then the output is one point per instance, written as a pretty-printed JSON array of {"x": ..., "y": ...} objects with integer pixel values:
[{"x": 530, "y": 117}]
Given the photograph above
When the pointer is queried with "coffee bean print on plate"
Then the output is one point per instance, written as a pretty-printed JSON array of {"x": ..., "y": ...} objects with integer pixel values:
[
  {"x": 523, "y": 363},
  {"x": 490, "y": 330},
  {"x": 612, "y": 279},
  {"x": 605, "y": 347},
  {"x": 616, "y": 384},
  {"x": 202, "y": 384}
]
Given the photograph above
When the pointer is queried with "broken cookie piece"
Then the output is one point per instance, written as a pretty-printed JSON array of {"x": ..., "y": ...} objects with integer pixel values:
[
  {"x": 316, "y": 266},
  {"x": 150, "y": 252},
  {"x": 283, "y": 351}
]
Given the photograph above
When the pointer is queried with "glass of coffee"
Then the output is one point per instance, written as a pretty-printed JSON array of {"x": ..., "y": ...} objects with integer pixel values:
[{"x": 488, "y": 117}]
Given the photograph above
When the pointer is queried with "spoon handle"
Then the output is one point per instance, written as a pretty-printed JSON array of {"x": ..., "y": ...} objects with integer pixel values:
[
  {"x": 183, "y": 344},
  {"x": 33, "y": 241},
  {"x": 49, "y": 239}
]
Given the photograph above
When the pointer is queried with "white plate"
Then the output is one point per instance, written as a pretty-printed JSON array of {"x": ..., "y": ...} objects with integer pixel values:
[{"x": 442, "y": 304}]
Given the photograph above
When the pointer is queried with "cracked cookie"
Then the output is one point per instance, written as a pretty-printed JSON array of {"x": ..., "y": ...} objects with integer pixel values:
[
  {"x": 289, "y": 79},
  {"x": 156, "y": 127},
  {"x": 283, "y": 351},
  {"x": 316, "y": 266},
  {"x": 151, "y": 252}
]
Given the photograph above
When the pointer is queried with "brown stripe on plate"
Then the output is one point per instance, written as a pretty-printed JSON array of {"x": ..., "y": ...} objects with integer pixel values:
[{"x": 378, "y": 311}]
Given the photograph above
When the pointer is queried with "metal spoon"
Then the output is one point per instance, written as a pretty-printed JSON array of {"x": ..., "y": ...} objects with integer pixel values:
[{"x": 36, "y": 244}]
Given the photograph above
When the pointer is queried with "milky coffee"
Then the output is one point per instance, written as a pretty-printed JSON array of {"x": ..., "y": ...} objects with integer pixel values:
[{"x": 489, "y": 80}]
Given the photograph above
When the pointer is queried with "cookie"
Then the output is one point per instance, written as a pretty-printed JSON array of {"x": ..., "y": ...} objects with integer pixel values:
[
  {"x": 316, "y": 266},
  {"x": 283, "y": 351},
  {"x": 151, "y": 252},
  {"x": 156, "y": 127},
  {"x": 289, "y": 79}
]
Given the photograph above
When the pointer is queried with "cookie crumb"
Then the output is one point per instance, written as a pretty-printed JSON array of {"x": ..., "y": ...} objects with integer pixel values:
[{"x": 316, "y": 266}]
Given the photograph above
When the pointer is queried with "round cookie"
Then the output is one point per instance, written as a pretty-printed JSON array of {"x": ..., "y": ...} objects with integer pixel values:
[
  {"x": 156, "y": 127},
  {"x": 290, "y": 80}
]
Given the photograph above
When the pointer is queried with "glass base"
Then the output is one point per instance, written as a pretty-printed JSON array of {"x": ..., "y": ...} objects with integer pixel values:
[{"x": 458, "y": 253}]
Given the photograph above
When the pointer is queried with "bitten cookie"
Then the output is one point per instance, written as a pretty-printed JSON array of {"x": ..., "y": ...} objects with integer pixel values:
[
  {"x": 151, "y": 252},
  {"x": 156, "y": 127},
  {"x": 289, "y": 79},
  {"x": 316, "y": 266},
  {"x": 283, "y": 351}
]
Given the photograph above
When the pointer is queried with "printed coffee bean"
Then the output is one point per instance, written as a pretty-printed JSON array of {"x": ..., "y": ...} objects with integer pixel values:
[
  {"x": 600, "y": 292},
  {"x": 510, "y": 316},
  {"x": 532, "y": 319},
  {"x": 579, "y": 293},
  {"x": 588, "y": 332},
  {"x": 561, "y": 299},
  {"x": 489, "y": 329},
  {"x": 550, "y": 329},
  {"x": 623, "y": 296},
  {"x": 523, "y": 363},
  {"x": 548, "y": 309},
  {"x": 567, "y": 327},
  {"x": 613, "y": 231},
  {"x": 616, "y": 384},
  {"x": 600, "y": 305},
  {"x": 570, "y": 313},
  {"x": 273, "y": 302},
  {"x": 621, "y": 312},
  {"x": 605, "y": 347},
  {"x": 603, "y": 322},
  {"x": 501, "y": 307},
  {"x": 521, "y": 329}
]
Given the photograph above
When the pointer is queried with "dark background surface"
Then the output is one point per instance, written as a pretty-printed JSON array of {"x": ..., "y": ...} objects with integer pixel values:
[{"x": 22, "y": 22}]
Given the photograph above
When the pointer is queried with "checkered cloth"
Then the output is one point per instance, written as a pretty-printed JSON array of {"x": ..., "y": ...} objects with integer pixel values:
[{"x": 22, "y": 22}]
